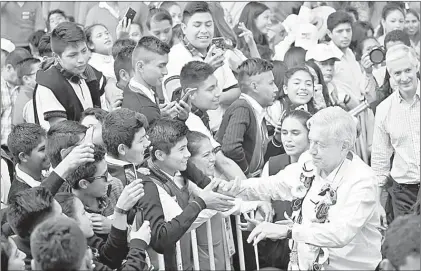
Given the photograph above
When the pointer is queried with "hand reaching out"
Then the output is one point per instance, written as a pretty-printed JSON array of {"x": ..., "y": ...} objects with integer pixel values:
[
  {"x": 130, "y": 195},
  {"x": 143, "y": 233}
]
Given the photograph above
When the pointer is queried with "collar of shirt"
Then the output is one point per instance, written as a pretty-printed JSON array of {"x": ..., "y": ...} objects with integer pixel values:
[
  {"x": 191, "y": 48},
  {"x": 260, "y": 111},
  {"x": 26, "y": 178},
  {"x": 114, "y": 161},
  {"x": 203, "y": 115},
  {"x": 177, "y": 178},
  {"x": 136, "y": 86},
  {"x": 348, "y": 53},
  {"x": 113, "y": 12}
]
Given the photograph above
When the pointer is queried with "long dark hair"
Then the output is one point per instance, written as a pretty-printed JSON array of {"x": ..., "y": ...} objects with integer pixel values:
[
  {"x": 222, "y": 29},
  {"x": 286, "y": 102},
  {"x": 325, "y": 90},
  {"x": 389, "y": 8},
  {"x": 249, "y": 14},
  {"x": 279, "y": 69}
]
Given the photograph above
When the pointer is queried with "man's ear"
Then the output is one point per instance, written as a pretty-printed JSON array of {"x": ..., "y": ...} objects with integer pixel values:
[
  {"x": 83, "y": 184},
  {"x": 183, "y": 28},
  {"x": 22, "y": 157},
  {"x": 386, "y": 265},
  {"x": 9, "y": 68},
  {"x": 122, "y": 148},
  {"x": 160, "y": 155},
  {"x": 285, "y": 88},
  {"x": 139, "y": 65}
]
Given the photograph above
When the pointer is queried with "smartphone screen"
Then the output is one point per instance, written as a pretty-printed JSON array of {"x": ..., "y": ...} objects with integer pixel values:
[
  {"x": 219, "y": 43},
  {"x": 130, "y": 14},
  {"x": 130, "y": 173}
]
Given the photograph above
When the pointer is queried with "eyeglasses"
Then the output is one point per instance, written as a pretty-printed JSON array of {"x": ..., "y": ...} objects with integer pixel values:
[{"x": 92, "y": 179}]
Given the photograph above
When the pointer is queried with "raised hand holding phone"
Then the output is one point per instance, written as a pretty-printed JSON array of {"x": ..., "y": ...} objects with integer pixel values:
[{"x": 89, "y": 136}]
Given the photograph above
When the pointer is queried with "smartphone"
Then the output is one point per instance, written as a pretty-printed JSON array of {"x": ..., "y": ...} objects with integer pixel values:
[
  {"x": 219, "y": 43},
  {"x": 130, "y": 14},
  {"x": 139, "y": 218},
  {"x": 130, "y": 173},
  {"x": 187, "y": 94}
]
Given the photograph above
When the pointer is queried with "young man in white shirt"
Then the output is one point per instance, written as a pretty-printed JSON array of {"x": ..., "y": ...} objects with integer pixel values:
[
  {"x": 397, "y": 130},
  {"x": 198, "y": 28},
  {"x": 199, "y": 75},
  {"x": 334, "y": 198}
]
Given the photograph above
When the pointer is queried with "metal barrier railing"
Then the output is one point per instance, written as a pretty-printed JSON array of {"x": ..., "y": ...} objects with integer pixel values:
[{"x": 212, "y": 265}]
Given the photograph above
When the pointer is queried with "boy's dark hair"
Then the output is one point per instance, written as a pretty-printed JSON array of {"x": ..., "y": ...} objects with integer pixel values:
[
  {"x": 44, "y": 46},
  {"x": 150, "y": 44},
  {"x": 158, "y": 15},
  {"x": 165, "y": 133},
  {"x": 402, "y": 239},
  {"x": 192, "y": 8},
  {"x": 120, "y": 127},
  {"x": 194, "y": 73},
  {"x": 98, "y": 113},
  {"x": 58, "y": 243},
  {"x": 337, "y": 18},
  {"x": 86, "y": 170},
  {"x": 251, "y": 67},
  {"x": 28, "y": 208},
  {"x": 67, "y": 203},
  {"x": 16, "y": 56},
  {"x": 397, "y": 35},
  {"x": 123, "y": 60},
  {"x": 24, "y": 138},
  {"x": 121, "y": 44},
  {"x": 24, "y": 67},
  {"x": 354, "y": 12},
  {"x": 62, "y": 135},
  {"x": 35, "y": 37},
  {"x": 66, "y": 34}
]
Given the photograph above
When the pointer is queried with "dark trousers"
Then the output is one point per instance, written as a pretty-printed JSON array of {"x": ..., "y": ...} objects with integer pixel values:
[{"x": 403, "y": 197}]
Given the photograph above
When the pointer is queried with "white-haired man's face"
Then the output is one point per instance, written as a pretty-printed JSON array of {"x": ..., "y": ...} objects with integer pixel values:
[
  {"x": 326, "y": 151},
  {"x": 404, "y": 73}
]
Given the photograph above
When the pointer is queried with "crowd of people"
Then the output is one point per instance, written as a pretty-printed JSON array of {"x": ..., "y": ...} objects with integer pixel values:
[{"x": 136, "y": 131}]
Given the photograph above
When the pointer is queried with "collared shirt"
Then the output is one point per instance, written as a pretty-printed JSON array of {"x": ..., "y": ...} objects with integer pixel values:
[
  {"x": 103, "y": 63},
  {"x": 8, "y": 98},
  {"x": 351, "y": 234},
  {"x": 397, "y": 131},
  {"x": 194, "y": 123},
  {"x": 26, "y": 178},
  {"x": 138, "y": 87},
  {"x": 258, "y": 109},
  {"x": 24, "y": 96},
  {"x": 349, "y": 78}
]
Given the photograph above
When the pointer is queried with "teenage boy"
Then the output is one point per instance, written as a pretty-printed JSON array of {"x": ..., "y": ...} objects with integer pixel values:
[
  {"x": 199, "y": 75},
  {"x": 159, "y": 24},
  {"x": 9, "y": 90},
  {"x": 26, "y": 71},
  {"x": 150, "y": 58},
  {"x": 198, "y": 28},
  {"x": 66, "y": 89},
  {"x": 27, "y": 144},
  {"x": 348, "y": 78},
  {"x": 171, "y": 202},
  {"x": 123, "y": 68},
  {"x": 243, "y": 134},
  {"x": 94, "y": 117}
]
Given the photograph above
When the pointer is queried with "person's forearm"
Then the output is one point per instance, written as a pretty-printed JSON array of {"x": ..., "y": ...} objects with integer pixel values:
[
  {"x": 120, "y": 221},
  {"x": 228, "y": 167},
  {"x": 228, "y": 97},
  {"x": 55, "y": 120},
  {"x": 254, "y": 52}
]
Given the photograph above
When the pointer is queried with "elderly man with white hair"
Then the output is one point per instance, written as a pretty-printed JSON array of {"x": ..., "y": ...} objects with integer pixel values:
[
  {"x": 335, "y": 219},
  {"x": 397, "y": 131}
]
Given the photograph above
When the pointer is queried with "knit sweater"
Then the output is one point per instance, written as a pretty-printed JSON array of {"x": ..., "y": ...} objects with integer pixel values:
[{"x": 237, "y": 133}]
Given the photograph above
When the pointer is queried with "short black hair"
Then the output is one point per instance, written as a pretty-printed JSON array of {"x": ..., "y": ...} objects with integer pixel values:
[
  {"x": 24, "y": 138},
  {"x": 397, "y": 35},
  {"x": 35, "y": 37},
  {"x": 65, "y": 34},
  {"x": 120, "y": 127},
  {"x": 28, "y": 208},
  {"x": 150, "y": 44},
  {"x": 123, "y": 60},
  {"x": 402, "y": 239},
  {"x": 194, "y": 73},
  {"x": 58, "y": 243},
  {"x": 62, "y": 135},
  {"x": 121, "y": 44},
  {"x": 337, "y": 18},
  {"x": 165, "y": 133},
  {"x": 24, "y": 67},
  {"x": 86, "y": 170},
  {"x": 98, "y": 113},
  {"x": 194, "y": 7},
  {"x": 67, "y": 203},
  {"x": 252, "y": 67},
  {"x": 44, "y": 46},
  {"x": 16, "y": 56},
  {"x": 158, "y": 15}
]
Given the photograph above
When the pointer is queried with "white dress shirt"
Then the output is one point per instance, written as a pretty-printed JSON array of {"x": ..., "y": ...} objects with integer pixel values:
[
  {"x": 26, "y": 178},
  {"x": 194, "y": 123},
  {"x": 351, "y": 234},
  {"x": 138, "y": 87},
  {"x": 103, "y": 63}
]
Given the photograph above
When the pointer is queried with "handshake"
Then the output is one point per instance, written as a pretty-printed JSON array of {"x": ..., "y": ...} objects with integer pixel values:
[{"x": 219, "y": 195}]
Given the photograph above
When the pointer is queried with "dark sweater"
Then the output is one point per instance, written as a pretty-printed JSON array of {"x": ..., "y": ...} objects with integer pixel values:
[
  {"x": 17, "y": 186},
  {"x": 139, "y": 102},
  {"x": 237, "y": 133}
]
